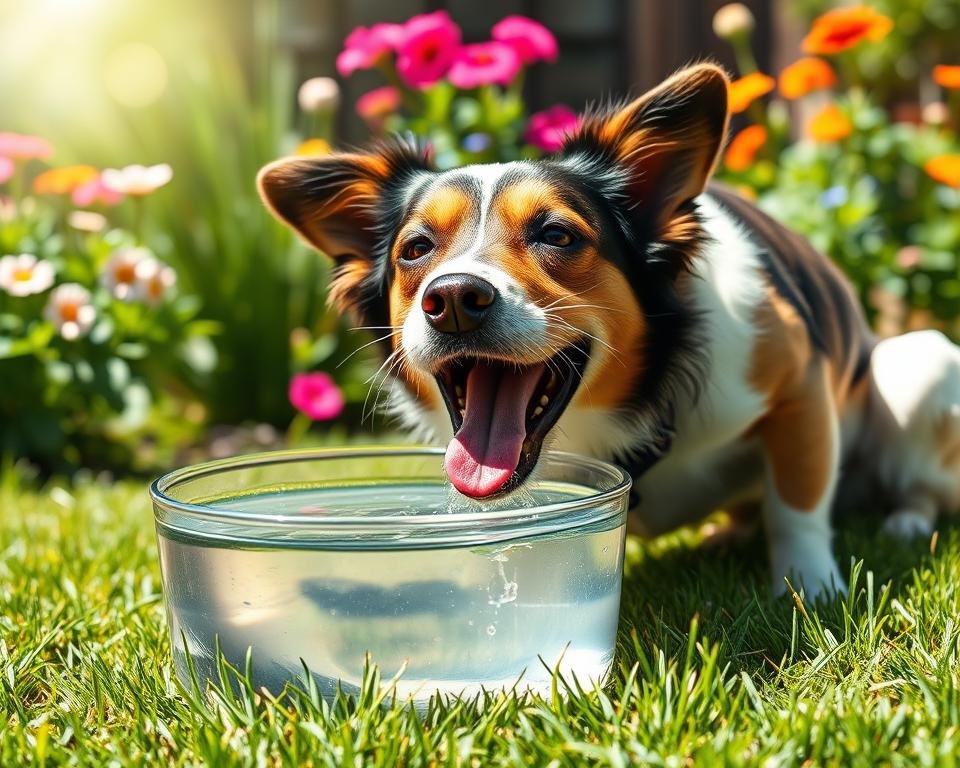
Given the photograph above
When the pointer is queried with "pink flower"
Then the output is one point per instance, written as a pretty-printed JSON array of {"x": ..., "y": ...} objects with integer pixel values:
[
  {"x": 6, "y": 169},
  {"x": 909, "y": 256},
  {"x": 376, "y": 105},
  {"x": 484, "y": 63},
  {"x": 430, "y": 44},
  {"x": 530, "y": 39},
  {"x": 16, "y": 146},
  {"x": 316, "y": 395},
  {"x": 364, "y": 47},
  {"x": 548, "y": 129},
  {"x": 95, "y": 191}
]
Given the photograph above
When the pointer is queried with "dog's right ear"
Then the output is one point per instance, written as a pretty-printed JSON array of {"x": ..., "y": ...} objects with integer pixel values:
[
  {"x": 336, "y": 203},
  {"x": 664, "y": 144}
]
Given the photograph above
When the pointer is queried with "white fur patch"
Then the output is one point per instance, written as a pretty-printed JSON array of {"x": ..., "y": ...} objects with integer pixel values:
[
  {"x": 915, "y": 417},
  {"x": 522, "y": 323}
]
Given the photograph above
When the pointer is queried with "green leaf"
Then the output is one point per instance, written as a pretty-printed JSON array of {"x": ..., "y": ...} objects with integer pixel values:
[{"x": 133, "y": 350}]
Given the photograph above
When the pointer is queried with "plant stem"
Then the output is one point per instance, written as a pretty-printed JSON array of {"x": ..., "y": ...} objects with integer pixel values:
[
  {"x": 138, "y": 219},
  {"x": 299, "y": 426},
  {"x": 742, "y": 52}
]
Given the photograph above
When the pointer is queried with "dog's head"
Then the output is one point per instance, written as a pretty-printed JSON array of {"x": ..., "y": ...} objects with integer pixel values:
[{"x": 517, "y": 294}]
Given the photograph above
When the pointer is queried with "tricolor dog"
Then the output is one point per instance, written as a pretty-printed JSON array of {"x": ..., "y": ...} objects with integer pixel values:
[{"x": 606, "y": 300}]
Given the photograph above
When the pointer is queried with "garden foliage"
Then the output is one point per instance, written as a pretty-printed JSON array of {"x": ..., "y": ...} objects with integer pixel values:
[{"x": 871, "y": 178}]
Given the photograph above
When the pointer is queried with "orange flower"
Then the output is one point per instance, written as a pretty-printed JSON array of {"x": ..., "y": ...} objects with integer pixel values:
[
  {"x": 947, "y": 76},
  {"x": 743, "y": 92},
  {"x": 805, "y": 76},
  {"x": 744, "y": 147},
  {"x": 843, "y": 28},
  {"x": 62, "y": 181},
  {"x": 830, "y": 124},
  {"x": 945, "y": 169}
]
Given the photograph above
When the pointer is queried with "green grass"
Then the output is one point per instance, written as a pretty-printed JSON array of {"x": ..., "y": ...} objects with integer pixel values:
[{"x": 709, "y": 668}]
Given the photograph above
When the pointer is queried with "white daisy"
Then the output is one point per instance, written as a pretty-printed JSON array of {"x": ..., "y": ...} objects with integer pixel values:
[
  {"x": 137, "y": 179},
  {"x": 119, "y": 275},
  {"x": 70, "y": 310},
  {"x": 25, "y": 275},
  {"x": 154, "y": 280}
]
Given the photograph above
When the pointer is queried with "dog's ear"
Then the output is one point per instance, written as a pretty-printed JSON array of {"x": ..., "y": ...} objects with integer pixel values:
[
  {"x": 337, "y": 203},
  {"x": 665, "y": 144}
]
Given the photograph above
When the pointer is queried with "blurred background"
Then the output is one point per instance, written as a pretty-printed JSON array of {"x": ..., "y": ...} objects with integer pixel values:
[{"x": 152, "y": 313}]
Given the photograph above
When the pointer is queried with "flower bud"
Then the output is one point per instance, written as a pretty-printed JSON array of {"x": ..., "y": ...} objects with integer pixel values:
[
  {"x": 936, "y": 113},
  {"x": 733, "y": 20},
  {"x": 319, "y": 94}
]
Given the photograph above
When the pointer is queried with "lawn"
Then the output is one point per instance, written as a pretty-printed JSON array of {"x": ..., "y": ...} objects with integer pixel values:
[{"x": 709, "y": 668}]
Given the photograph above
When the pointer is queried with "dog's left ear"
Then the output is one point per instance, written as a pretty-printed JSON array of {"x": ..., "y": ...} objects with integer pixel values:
[{"x": 666, "y": 143}]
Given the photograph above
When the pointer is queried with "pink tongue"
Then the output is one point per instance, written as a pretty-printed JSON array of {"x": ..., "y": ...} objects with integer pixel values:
[{"x": 486, "y": 449}]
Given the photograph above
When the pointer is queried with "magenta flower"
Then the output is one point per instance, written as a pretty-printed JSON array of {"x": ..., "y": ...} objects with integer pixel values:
[
  {"x": 6, "y": 169},
  {"x": 95, "y": 191},
  {"x": 316, "y": 395},
  {"x": 430, "y": 44},
  {"x": 364, "y": 47},
  {"x": 483, "y": 64},
  {"x": 530, "y": 39},
  {"x": 376, "y": 105},
  {"x": 548, "y": 129},
  {"x": 16, "y": 146}
]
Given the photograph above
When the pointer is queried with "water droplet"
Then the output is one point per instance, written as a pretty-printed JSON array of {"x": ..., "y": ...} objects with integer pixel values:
[{"x": 491, "y": 630}]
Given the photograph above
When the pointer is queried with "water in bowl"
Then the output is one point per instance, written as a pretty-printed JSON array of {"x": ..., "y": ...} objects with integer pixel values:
[{"x": 453, "y": 619}]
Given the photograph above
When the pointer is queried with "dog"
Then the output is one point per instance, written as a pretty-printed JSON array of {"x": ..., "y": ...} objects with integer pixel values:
[{"x": 610, "y": 300}]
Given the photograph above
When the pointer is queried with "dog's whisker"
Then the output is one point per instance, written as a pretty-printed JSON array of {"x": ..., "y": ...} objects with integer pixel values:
[
  {"x": 376, "y": 401},
  {"x": 388, "y": 361},
  {"x": 613, "y": 352},
  {"x": 364, "y": 346},
  {"x": 576, "y": 295}
]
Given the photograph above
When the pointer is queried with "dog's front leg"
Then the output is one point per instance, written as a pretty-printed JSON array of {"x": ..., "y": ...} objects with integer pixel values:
[{"x": 800, "y": 438}]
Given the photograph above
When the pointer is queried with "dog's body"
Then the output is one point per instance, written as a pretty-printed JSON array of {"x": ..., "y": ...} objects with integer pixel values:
[{"x": 604, "y": 302}]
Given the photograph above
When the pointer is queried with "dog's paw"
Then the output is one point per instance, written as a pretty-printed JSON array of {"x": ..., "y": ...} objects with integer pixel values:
[
  {"x": 812, "y": 579},
  {"x": 907, "y": 525}
]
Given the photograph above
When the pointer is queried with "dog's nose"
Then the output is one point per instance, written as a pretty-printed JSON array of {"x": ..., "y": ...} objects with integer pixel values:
[{"x": 458, "y": 303}]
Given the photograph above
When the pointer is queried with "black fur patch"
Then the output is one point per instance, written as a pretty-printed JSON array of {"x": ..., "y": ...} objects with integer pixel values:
[
  {"x": 675, "y": 363},
  {"x": 410, "y": 165}
]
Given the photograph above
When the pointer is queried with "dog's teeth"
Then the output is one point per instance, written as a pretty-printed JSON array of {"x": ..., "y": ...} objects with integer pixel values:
[
  {"x": 458, "y": 389},
  {"x": 537, "y": 411},
  {"x": 461, "y": 403},
  {"x": 544, "y": 400}
]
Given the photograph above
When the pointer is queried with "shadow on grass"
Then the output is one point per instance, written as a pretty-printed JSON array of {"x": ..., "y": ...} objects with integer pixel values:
[{"x": 672, "y": 581}]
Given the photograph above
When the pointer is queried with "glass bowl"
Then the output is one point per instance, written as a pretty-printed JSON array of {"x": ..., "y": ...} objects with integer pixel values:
[{"x": 314, "y": 559}]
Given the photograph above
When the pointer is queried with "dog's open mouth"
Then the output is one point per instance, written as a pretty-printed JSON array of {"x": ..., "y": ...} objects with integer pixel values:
[{"x": 501, "y": 413}]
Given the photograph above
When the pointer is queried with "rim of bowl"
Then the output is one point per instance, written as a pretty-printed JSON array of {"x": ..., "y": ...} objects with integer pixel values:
[{"x": 601, "y": 499}]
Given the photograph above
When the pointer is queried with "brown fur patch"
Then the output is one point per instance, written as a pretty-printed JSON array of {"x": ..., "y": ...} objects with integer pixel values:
[
  {"x": 582, "y": 293},
  {"x": 669, "y": 140},
  {"x": 796, "y": 431},
  {"x": 419, "y": 384}
]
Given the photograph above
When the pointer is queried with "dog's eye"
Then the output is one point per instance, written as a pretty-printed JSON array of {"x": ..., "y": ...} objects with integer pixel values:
[
  {"x": 416, "y": 249},
  {"x": 556, "y": 237}
]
